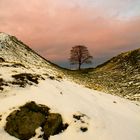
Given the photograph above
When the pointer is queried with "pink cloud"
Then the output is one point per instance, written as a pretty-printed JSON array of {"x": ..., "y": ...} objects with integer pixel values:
[{"x": 53, "y": 28}]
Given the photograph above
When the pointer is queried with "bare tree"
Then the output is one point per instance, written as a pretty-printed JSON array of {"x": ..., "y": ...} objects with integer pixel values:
[{"x": 79, "y": 55}]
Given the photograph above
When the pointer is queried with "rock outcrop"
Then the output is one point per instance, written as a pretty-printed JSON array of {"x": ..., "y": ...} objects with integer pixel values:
[{"x": 22, "y": 123}]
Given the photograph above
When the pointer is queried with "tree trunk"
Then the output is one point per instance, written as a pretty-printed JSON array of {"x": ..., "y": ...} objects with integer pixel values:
[{"x": 79, "y": 68}]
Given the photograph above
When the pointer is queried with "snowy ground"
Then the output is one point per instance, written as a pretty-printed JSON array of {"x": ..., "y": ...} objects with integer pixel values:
[{"x": 105, "y": 116}]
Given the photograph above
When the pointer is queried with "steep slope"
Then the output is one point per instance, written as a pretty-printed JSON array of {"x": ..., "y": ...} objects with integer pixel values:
[
  {"x": 121, "y": 74},
  {"x": 13, "y": 50},
  {"x": 127, "y": 61},
  {"x": 24, "y": 66}
]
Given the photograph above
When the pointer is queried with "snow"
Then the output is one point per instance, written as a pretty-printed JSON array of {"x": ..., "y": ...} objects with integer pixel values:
[
  {"x": 104, "y": 118},
  {"x": 4, "y": 36}
]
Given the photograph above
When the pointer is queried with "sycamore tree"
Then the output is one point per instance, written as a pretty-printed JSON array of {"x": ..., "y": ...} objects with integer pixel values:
[{"x": 80, "y": 55}]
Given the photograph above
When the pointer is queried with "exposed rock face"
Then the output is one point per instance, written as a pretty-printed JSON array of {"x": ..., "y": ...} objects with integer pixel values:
[{"x": 23, "y": 123}]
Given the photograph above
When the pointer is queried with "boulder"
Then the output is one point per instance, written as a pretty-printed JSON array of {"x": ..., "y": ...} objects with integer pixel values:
[
  {"x": 53, "y": 125},
  {"x": 36, "y": 108},
  {"x": 23, "y": 123}
]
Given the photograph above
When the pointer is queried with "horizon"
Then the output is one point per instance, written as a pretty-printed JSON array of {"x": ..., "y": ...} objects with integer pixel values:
[{"x": 52, "y": 28}]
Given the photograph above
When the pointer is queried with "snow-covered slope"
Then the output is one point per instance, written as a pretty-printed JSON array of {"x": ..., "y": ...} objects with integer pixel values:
[
  {"x": 105, "y": 116},
  {"x": 22, "y": 79},
  {"x": 13, "y": 50}
]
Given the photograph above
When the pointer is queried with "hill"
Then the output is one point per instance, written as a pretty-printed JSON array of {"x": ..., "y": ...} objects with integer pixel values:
[
  {"x": 13, "y": 50},
  {"x": 118, "y": 76},
  {"x": 126, "y": 61}
]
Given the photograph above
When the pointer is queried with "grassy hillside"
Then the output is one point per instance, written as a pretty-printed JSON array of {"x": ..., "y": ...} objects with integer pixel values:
[{"x": 119, "y": 76}]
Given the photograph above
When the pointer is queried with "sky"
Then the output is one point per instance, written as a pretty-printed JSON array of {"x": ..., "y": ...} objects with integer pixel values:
[{"x": 53, "y": 27}]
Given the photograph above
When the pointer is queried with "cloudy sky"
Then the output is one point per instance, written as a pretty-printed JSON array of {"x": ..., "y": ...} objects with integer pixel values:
[{"x": 52, "y": 27}]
